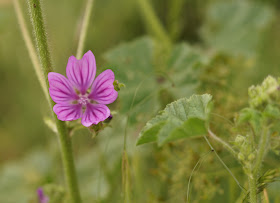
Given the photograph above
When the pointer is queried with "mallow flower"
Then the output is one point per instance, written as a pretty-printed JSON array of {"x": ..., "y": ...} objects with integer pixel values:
[
  {"x": 41, "y": 196},
  {"x": 81, "y": 95}
]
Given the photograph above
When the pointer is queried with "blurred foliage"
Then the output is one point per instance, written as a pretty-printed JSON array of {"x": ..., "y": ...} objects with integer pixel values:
[{"x": 220, "y": 48}]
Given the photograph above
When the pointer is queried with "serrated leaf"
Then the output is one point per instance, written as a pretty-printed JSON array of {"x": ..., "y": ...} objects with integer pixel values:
[
  {"x": 180, "y": 119},
  {"x": 151, "y": 129}
]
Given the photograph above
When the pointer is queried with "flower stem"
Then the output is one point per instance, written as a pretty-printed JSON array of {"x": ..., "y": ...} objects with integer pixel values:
[
  {"x": 30, "y": 47},
  {"x": 84, "y": 29},
  {"x": 226, "y": 145},
  {"x": 153, "y": 23},
  {"x": 63, "y": 134}
]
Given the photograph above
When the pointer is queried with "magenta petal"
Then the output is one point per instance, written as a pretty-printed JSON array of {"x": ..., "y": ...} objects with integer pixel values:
[
  {"x": 68, "y": 112},
  {"x": 81, "y": 73},
  {"x": 61, "y": 90},
  {"x": 95, "y": 113},
  {"x": 41, "y": 196},
  {"x": 102, "y": 90}
]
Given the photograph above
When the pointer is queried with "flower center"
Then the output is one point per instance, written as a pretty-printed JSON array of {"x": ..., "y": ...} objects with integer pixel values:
[{"x": 83, "y": 100}]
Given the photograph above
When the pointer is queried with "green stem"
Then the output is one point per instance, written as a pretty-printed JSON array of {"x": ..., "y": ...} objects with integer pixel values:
[
  {"x": 255, "y": 168},
  {"x": 174, "y": 18},
  {"x": 125, "y": 178},
  {"x": 63, "y": 134},
  {"x": 84, "y": 29},
  {"x": 261, "y": 151},
  {"x": 253, "y": 189},
  {"x": 226, "y": 145},
  {"x": 153, "y": 23},
  {"x": 30, "y": 48}
]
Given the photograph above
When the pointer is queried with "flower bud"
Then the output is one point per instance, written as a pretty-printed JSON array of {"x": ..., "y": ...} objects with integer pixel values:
[
  {"x": 241, "y": 157},
  {"x": 251, "y": 157},
  {"x": 239, "y": 139}
]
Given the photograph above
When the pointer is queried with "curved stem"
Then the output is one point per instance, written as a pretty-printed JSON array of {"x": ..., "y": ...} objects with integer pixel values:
[
  {"x": 197, "y": 165},
  {"x": 226, "y": 145},
  {"x": 30, "y": 47},
  {"x": 84, "y": 29},
  {"x": 63, "y": 134},
  {"x": 223, "y": 163},
  {"x": 153, "y": 23}
]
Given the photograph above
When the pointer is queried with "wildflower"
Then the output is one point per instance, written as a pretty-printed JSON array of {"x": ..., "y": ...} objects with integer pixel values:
[
  {"x": 41, "y": 196},
  {"x": 81, "y": 95}
]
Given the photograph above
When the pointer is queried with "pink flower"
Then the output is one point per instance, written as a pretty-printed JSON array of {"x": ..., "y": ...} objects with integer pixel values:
[
  {"x": 41, "y": 196},
  {"x": 82, "y": 96}
]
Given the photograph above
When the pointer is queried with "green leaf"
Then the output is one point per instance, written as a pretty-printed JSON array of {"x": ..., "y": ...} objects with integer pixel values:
[
  {"x": 184, "y": 68},
  {"x": 180, "y": 119},
  {"x": 192, "y": 127},
  {"x": 151, "y": 129},
  {"x": 132, "y": 64},
  {"x": 135, "y": 64},
  {"x": 236, "y": 27}
]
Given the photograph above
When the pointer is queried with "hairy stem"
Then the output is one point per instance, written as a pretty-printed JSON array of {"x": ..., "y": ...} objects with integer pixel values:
[
  {"x": 255, "y": 168},
  {"x": 30, "y": 47},
  {"x": 84, "y": 29},
  {"x": 261, "y": 150},
  {"x": 226, "y": 145},
  {"x": 153, "y": 23},
  {"x": 253, "y": 189},
  {"x": 46, "y": 65}
]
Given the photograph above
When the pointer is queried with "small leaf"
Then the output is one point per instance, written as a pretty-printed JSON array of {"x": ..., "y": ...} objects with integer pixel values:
[{"x": 180, "y": 119}]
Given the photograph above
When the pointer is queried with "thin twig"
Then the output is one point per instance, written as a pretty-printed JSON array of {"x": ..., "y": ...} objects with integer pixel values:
[
  {"x": 197, "y": 165},
  {"x": 84, "y": 29},
  {"x": 30, "y": 47},
  {"x": 223, "y": 163}
]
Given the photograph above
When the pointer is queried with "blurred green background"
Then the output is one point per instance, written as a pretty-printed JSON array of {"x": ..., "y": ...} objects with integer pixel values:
[{"x": 233, "y": 44}]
